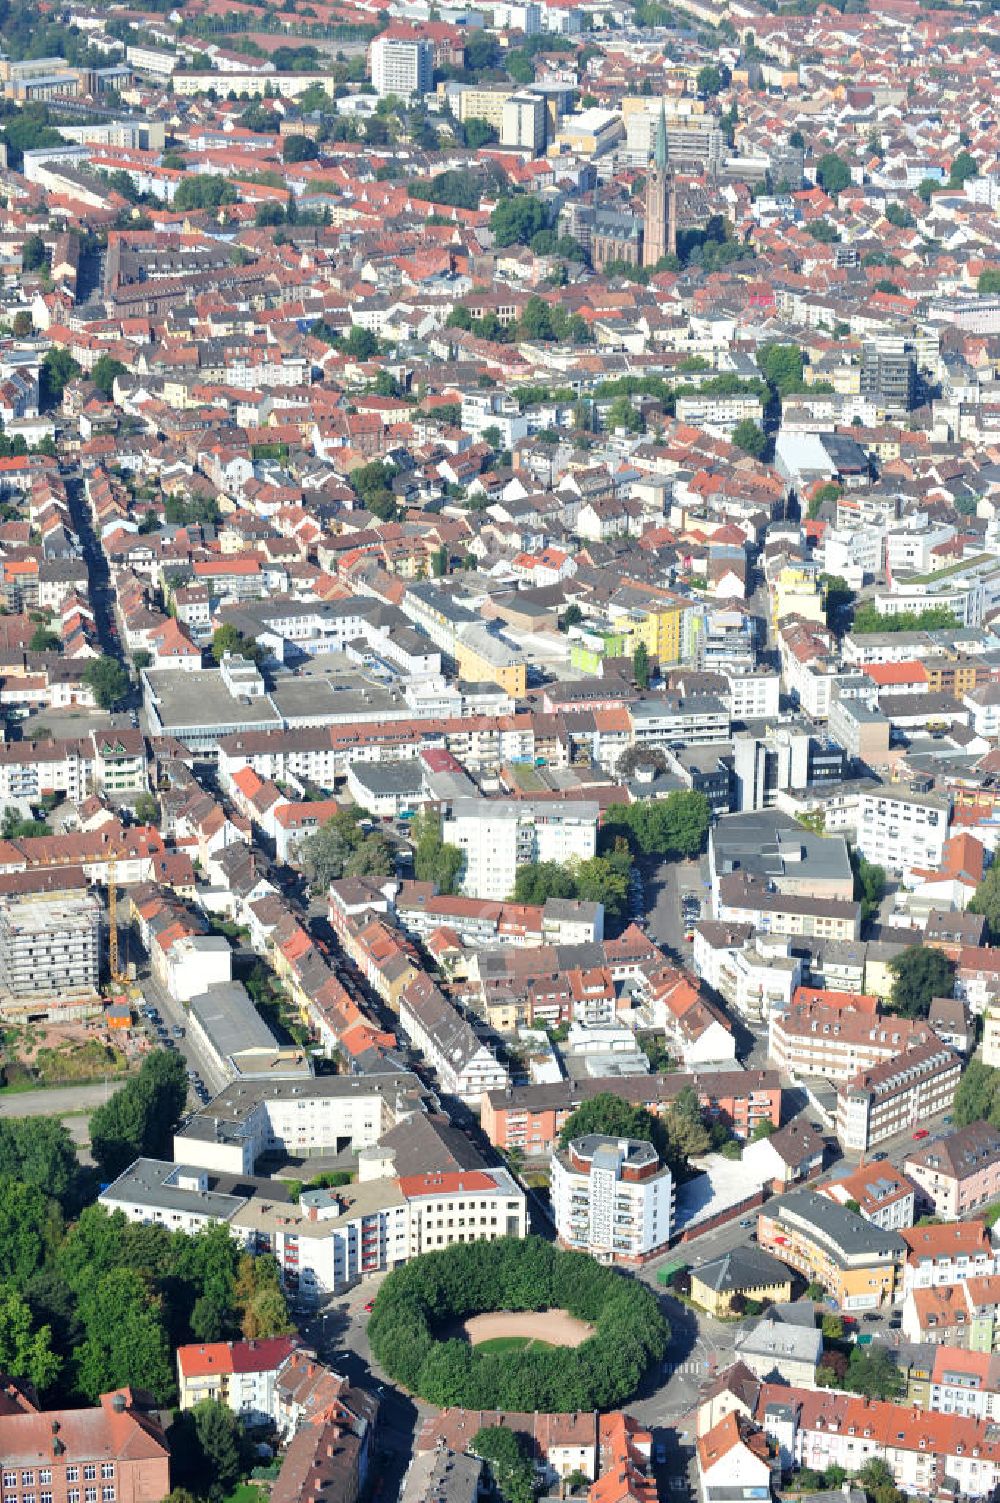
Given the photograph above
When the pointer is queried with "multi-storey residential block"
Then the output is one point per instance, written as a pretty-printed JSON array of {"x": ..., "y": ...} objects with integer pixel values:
[
  {"x": 240, "y": 1374},
  {"x": 897, "y": 1094},
  {"x": 947, "y": 1254},
  {"x": 402, "y": 66},
  {"x": 820, "y": 1429},
  {"x": 883, "y": 1195},
  {"x": 50, "y": 955},
  {"x": 612, "y": 1198},
  {"x": 957, "y": 1173},
  {"x": 531, "y": 1117},
  {"x": 328, "y": 1238},
  {"x": 837, "y": 1035},
  {"x": 900, "y": 830},
  {"x": 496, "y": 838}
]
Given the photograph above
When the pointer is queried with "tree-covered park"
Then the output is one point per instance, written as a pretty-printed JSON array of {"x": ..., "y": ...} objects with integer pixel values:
[{"x": 421, "y": 1304}]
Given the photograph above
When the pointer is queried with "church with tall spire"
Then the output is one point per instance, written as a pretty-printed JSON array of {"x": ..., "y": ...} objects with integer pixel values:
[{"x": 660, "y": 224}]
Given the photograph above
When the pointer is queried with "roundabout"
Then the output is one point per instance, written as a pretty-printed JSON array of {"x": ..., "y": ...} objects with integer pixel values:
[{"x": 516, "y": 1324}]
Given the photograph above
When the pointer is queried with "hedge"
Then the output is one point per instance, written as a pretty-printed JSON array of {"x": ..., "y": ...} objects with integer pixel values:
[{"x": 419, "y": 1302}]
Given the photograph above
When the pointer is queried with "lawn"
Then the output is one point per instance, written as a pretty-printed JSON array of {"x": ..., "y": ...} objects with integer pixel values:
[
  {"x": 509, "y": 1344},
  {"x": 247, "y": 1492}
]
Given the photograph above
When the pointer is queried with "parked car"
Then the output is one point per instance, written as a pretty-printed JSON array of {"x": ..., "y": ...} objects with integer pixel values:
[
  {"x": 177, "y": 1031},
  {"x": 879, "y": 1158},
  {"x": 747, "y": 1221},
  {"x": 921, "y": 1132}
]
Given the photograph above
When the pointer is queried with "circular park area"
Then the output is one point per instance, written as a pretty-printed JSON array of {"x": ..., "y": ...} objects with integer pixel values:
[{"x": 516, "y": 1324}]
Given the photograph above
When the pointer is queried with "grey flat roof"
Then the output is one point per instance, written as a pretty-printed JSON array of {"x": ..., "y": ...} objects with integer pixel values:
[
  {"x": 851, "y": 1234},
  {"x": 154, "y": 1182},
  {"x": 763, "y": 843},
  {"x": 406, "y": 776},
  {"x": 230, "y": 1020},
  {"x": 202, "y": 702}
]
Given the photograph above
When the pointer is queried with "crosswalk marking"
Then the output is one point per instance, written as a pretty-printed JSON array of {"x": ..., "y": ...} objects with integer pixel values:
[{"x": 670, "y": 1368}]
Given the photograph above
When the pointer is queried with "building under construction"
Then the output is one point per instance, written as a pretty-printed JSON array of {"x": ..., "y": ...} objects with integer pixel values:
[{"x": 50, "y": 957}]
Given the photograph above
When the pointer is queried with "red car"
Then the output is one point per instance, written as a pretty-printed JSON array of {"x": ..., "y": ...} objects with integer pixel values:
[
  {"x": 369, "y": 1307},
  {"x": 922, "y": 1132}
]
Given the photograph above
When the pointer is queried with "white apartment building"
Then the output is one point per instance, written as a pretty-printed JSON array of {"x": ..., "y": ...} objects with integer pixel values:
[
  {"x": 947, "y": 1254},
  {"x": 328, "y": 1239},
  {"x": 900, "y": 830},
  {"x": 402, "y": 66},
  {"x": 897, "y": 1095},
  {"x": 523, "y": 123},
  {"x": 991, "y": 1036},
  {"x": 612, "y": 1198},
  {"x": 754, "y": 696},
  {"x": 321, "y": 1114},
  {"x": 496, "y": 838},
  {"x": 719, "y": 414},
  {"x": 966, "y": 1383},
  {"x": 759, "y": 980},
  {"x": 820, "y": 1428}
]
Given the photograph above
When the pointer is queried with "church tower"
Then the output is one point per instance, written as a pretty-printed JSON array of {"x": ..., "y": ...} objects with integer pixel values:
[{"x": 660, "y": 227}]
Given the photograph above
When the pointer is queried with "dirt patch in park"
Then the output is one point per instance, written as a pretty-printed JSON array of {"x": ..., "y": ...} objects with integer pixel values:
[{"x": 555, "y": 1327}]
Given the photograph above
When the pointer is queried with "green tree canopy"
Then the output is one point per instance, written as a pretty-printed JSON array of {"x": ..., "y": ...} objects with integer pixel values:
[
  {"x": 25, "y": 1348},
  {"x": 39, "y": 1152},
  {"x": 228, "y": 638},
  {"x": 296, "y": 148},
  {"x": 833, "y": 174},
  {"x": 107, "y": 678},
  {"x": 372, "y": 858},
  {"x": 34, "y": 253},
  {"x": 205, "y": 190},
  {"x": 58, "y": 369},
  {"x": 676, "y": 826},
  {"x": 872, "y": 1372},
  {"x": 515, "y": 221},
  {"x": 538, "y": 880},
  {"x": 932, "y": 618},
  {"x": 962, "y": 168},
  {"x": 749, "y": 437},
  {"x": 986, "y": 901},
  {"x": 124, "y": 1343},
  {"x": 324, "y": 855},
  {"x": 609, "y": 1116},
  {"x": 104, "y": 373},
  {"x": 434, "y": 859},
  {"x": 511, "y": 1465},
  {"x": 139, "y": 1119},
  {"x": 869, "y": 884},
  {"x": 920, "y": 974},
  {"x": 978, "y": 1096}
]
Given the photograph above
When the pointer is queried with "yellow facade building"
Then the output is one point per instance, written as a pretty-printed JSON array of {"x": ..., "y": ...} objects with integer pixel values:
[
  {"x": 483, "y": 658},
  {"x": 796, "y": 591},
  {"x": 746, "y": 1273},
  {"x": 858, "y": 1263}
]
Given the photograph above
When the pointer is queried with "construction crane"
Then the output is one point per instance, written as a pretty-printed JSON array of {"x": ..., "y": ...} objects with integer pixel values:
[{"x": 118, "y": 976}]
